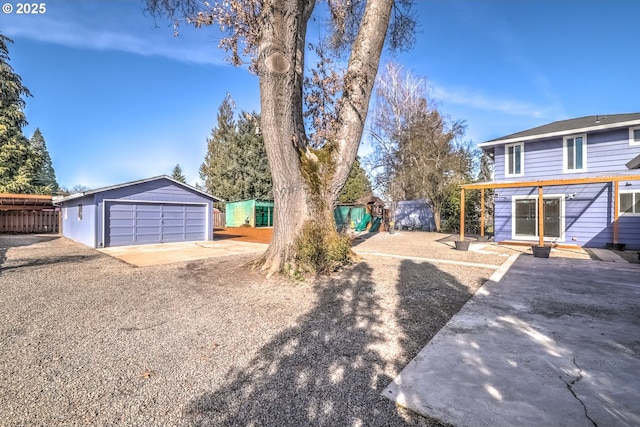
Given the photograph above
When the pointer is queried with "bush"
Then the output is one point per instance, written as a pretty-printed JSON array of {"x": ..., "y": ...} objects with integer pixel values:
[{"x": 320, "y": 249}]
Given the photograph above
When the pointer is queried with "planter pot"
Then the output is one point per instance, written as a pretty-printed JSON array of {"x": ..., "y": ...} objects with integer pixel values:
[
  {"x": 462, "y": 245},
  {"x": 541, "y": 251},
  {"x": 616, "y": 246},
  {"x": 483, "y": 238}
]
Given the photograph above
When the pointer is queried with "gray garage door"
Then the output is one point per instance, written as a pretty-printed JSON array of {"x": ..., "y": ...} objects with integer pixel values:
[{"x": 143, "y": 223}]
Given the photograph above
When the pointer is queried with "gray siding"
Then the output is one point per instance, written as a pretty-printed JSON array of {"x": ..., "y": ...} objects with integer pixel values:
[
  {"x": 91, "y": 229},
  {"x": 607, "y": 153},
  {"x": 82, "y": 231},
  {"x": 161, "y": 190},
  {"x": 588, "y": 217}
]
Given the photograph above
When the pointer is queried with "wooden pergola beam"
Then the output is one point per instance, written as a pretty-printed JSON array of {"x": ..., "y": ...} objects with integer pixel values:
[
  {"x": 24, "y": 196},
  {"x": 551, "y": 182},
  {"x": 614, "y": 180},
  {"x": 540, "y": 217},
  {"x": 616, "y": 207}
]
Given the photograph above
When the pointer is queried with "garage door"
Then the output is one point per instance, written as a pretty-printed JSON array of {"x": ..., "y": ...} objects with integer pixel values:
[{"x": 143, "y": 223}]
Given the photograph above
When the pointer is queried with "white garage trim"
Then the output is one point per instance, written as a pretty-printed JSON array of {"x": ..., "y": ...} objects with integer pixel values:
[{"x": 208, "y": 214}]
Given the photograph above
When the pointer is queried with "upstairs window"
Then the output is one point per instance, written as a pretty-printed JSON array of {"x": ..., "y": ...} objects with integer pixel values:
[
  {"x": 575, "y": 153},
  {"x": 629, "y": 203},
  {"x": 634, "y": 136},
  {"x": 514, "y": 160}
]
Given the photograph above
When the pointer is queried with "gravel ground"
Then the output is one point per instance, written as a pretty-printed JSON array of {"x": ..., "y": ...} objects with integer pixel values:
[{"x": 88, "y": 339}]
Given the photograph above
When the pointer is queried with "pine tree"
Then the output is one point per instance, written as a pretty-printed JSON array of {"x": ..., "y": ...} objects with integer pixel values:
[
  {"x": 17, "y": 163},
  {"x": 212, "y": 170},
  {"x": 357, "y": 185},
  {"x": 45, "y": 178},
  {"x": 235, "y": 166},
  {"x": 178, "y": 175}
]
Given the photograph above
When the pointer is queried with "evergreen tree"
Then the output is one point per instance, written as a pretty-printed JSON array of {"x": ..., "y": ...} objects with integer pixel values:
[
  {"x": 18, "y": 165},
  {"x": 235, "y": 166},
  {"x": 357, "y": 185},
  {"x": 178, "y": 175},
  {"x": 213, "y": 169},
  {"x": 45, "y": 178}
]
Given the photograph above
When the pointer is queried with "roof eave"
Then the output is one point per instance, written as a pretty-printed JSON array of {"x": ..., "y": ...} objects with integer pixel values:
[
  {"x": 558, "y": 133},
  {"x": 140, "y": 181}
]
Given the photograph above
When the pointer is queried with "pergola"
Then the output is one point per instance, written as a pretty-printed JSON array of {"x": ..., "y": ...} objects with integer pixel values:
[
  {"x": 614, "y": 180},
  {"x": 24, "y": 202}
]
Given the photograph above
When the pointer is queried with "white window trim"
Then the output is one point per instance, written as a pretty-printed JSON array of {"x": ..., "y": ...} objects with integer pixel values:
[
  {"x": 631, "y": 141},
  {"x": 506, "y": 160},
  {"x": 536, "y": 237},
  {"x": 620, "y": 213},
  {"x": 584, "y": 153}
]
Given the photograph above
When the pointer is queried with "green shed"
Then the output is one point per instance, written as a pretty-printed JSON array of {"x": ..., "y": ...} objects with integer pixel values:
[
  {"x": 250, "y": 213},
  {"x": 348, "y": 215}
]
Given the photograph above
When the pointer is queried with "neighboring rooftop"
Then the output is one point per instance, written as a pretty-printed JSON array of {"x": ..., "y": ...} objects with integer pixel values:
[{"x": 563, "y": 127}]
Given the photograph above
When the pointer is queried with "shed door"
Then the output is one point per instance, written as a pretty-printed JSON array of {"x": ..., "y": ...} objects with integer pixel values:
[{"x": 143, "y": 223}]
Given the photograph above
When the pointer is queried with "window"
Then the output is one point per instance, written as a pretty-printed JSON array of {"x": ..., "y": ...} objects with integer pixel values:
[
  {"x": 66, "y": 209},
  {"x": 525, "y": 217},
  {"x": 575, "y": 153},
  {"x": 634, "y": 136},
  {"x": 629, "y": 203},
  {"x": 514, "y": 160},
  {"x": 79, "y": 212}
]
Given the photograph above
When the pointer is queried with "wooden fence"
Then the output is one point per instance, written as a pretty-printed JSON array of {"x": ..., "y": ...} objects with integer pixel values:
[
  {"x": 23, "y": 221},
  {"x": 218, "y": 220}
]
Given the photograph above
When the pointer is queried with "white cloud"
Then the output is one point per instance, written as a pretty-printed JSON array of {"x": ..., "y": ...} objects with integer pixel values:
[
  {"x": 483, "y": 102},
  {"x": 129, "y": 31}
]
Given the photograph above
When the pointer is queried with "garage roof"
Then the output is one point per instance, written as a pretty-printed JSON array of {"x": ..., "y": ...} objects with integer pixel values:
[{"x": 140, "y": 181}]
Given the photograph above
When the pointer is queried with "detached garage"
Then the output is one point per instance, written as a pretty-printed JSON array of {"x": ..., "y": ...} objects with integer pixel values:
[{"x": 153, "y": 210}]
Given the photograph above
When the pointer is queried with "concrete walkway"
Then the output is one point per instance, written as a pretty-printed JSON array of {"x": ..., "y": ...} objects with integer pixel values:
[
  {"x": 167, "y": 253},
  {"x": 553, "y": 342}
]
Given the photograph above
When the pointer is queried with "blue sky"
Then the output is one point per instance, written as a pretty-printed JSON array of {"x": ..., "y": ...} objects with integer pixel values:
[{"x": 119, "y": 98}]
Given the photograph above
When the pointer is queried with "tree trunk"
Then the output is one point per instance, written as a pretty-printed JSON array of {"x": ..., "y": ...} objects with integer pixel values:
[{"x": 280, "y": 68}]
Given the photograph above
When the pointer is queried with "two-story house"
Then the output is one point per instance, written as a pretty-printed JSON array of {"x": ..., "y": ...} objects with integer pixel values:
[{"x": 585, "y": 173}]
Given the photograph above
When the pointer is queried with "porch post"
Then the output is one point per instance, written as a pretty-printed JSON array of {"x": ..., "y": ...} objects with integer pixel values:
[
  {"x": 461, "y": 214},
  {"x": 616, "y": 208},
  {"x": 482, "y": 211},
  {"x": 540, "y": 217}
]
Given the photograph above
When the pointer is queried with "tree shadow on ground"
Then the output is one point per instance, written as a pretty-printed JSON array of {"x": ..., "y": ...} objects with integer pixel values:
[
  {"x": 331, "y": 367},
  {"x": 8, "y": 241}
]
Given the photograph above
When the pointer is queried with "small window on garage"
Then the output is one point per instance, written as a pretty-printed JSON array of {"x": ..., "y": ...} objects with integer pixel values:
[{"x": 79, "y": 212}]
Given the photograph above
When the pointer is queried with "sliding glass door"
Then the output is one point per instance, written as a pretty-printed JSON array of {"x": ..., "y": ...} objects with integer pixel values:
[{"x": 525, "y": 217}]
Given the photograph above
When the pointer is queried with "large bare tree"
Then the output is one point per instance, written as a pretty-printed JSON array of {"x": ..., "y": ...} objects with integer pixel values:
[
  {"x": 419, "y": 152},
  {"x": 271, "y": 35}
]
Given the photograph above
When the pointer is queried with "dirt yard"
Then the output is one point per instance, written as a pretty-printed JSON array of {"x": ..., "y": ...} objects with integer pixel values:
[
  {"x": 89, "y": 339},
  {"x": 244, "y": 234}
]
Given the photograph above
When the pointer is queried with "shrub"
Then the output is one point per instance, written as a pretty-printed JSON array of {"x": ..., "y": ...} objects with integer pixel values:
[{"x": 320, "y": 249}]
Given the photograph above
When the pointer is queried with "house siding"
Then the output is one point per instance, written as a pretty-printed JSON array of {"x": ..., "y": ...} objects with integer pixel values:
[
  {"x": 589, "y": 215},
  {"x": 152, "y": 191},
  {"x": 588, "y": 219},
  {"x": 82, "y": 231},
  {"x": 607, "y": 152},
  {"x": 90, "y": 231}
]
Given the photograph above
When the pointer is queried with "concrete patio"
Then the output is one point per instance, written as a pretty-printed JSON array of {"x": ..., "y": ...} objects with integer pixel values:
[{"x": 552, "y": 342}]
